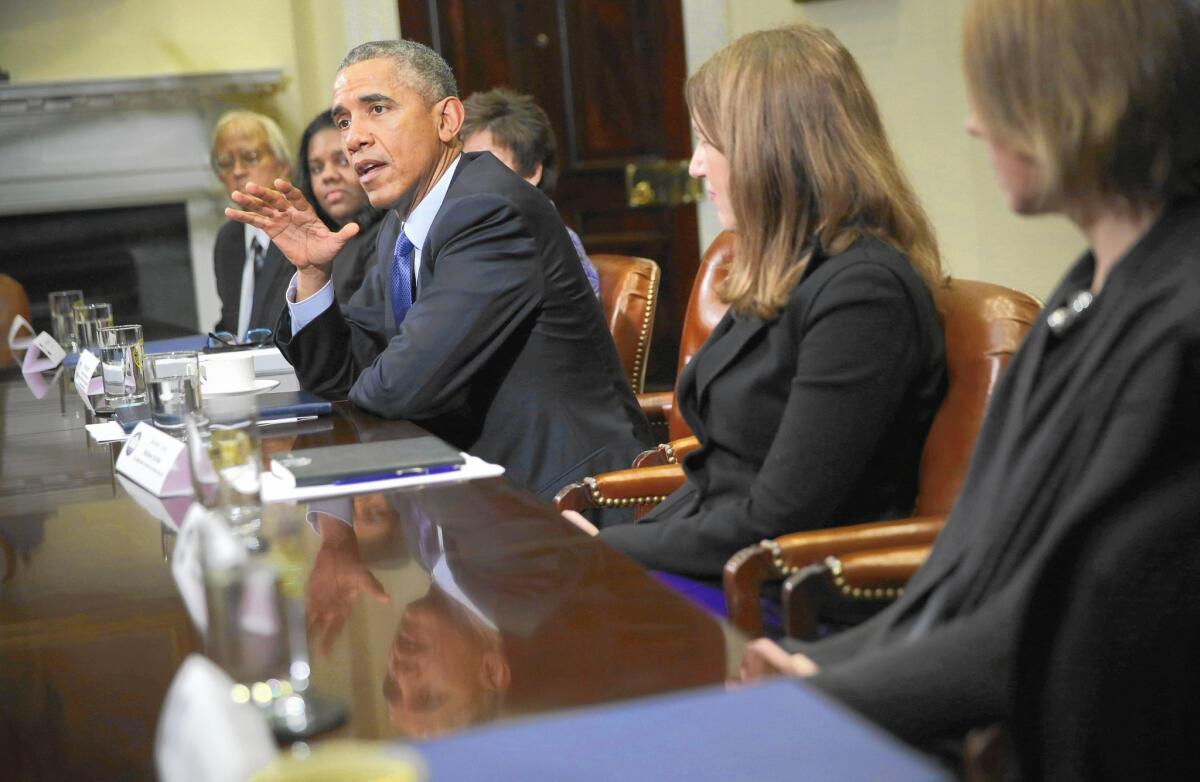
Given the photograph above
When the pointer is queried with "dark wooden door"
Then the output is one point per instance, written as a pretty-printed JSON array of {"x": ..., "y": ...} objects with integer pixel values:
[{"x": 610, "y": 74}]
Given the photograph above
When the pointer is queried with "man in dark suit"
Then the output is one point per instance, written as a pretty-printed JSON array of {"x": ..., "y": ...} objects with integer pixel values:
[
  {"x": 252, "y": 274},
  {"x": 477, "y": 320}
]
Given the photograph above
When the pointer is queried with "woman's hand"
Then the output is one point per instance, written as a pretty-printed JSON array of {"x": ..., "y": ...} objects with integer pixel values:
[
  {"x": 764, "y": 657},
  {"x": 581, "y": 522}
]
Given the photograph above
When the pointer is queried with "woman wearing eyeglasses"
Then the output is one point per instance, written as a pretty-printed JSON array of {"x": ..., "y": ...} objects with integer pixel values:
[
  {"x": 329, "y": 183},
  {"x": 252, "y": 274}
]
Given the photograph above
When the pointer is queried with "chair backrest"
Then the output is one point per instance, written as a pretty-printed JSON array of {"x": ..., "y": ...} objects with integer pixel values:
[
  {"x": 13, "y": 302},
  {"x": 629, "y": 297},
  {"x": 984, "y": 324},
  {"x": 705, "y": 309}
]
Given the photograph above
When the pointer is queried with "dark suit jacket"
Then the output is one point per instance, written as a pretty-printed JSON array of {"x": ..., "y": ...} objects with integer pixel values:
[
  {"x": 270, "y": 283},
  {"x": 811, "y": 420},
  {"x": 1090, "y": 429},
  {"x": 351, "y": 264},
  {"x": 504, "y": 353}
]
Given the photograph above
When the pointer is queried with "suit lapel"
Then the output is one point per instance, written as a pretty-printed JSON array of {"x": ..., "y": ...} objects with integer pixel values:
[
  {"x": 264, "y": 281},
  {"x": 727, "y": 342}
]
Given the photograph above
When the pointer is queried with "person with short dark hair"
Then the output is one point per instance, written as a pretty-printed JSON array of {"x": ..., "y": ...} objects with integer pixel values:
[
  {"x": 517, "y": 131},
  {"x": 1090, "y": 448},
  {"x": 475, "y": 322},
  {"x": 329, "y": 183}
]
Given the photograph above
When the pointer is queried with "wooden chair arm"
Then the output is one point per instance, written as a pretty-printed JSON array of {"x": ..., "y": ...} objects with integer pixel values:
[
  {"x": 656, "y": 404},
  {"x": 805, "y": 548},
  {"x": 640, "y": 489},
  {"x": 848, "y": 588},
  {"x": 667, "y": 453},
  {"x": 750, "y": 568}
]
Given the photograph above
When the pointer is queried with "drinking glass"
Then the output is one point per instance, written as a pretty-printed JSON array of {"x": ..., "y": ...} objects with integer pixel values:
[
  {"x": 226, "y": 461},
  {"x": 256, "y": 620},
  {"x": 89, "y": 319},
  {"x": 173, "y": 388},
  {"x": 121, "y": 365},
  {"x": 62, "y": 320}
]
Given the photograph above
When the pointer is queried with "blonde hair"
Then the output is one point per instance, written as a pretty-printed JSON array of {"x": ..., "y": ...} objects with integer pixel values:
[
  {"x": 251, "y": 123},
  {"x": 809, "y": 161},
  {"x": 1101, "y": 94}
]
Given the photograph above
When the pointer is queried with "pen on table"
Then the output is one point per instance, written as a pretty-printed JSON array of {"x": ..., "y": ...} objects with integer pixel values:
[
  {"x": 405, "y": 473},
  {"x": 293, "y": 420}
]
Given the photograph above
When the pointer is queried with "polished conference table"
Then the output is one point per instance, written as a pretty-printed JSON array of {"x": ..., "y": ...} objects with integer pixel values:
[{"x": 92, "y": 626}]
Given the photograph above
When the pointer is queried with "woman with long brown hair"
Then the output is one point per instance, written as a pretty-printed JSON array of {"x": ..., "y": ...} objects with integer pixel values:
[
  {"x": 1061, "y": 597},
  {"x": 813, "y": 396}
]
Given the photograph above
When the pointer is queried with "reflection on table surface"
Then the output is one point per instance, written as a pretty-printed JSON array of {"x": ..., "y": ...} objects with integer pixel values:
[{"x": 428, "y": 610}]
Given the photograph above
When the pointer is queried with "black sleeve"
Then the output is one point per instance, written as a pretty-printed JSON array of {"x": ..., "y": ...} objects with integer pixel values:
[
  {"x": 332, "y": 349},
  {"x": 487, "y": 282},
  {"x": 952, "y": 679},
  {"x": 856, "y": 357}
]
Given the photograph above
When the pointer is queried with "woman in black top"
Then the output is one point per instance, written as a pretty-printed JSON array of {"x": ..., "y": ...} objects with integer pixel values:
[
  {"x": 1060, "y": 598},
  {"x": 813, "y": 396},
  {"x": 329, "y": 183}
]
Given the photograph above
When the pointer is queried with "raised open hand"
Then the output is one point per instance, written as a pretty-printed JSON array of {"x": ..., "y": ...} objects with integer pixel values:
[
  {"x": 336, "y": 582},
  {"x": 292, "y": 224}
]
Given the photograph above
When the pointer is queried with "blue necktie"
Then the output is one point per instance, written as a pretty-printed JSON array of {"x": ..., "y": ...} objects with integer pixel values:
[
  {"x": 260, "y": 253},
  {"x": 402, "y": 263}
]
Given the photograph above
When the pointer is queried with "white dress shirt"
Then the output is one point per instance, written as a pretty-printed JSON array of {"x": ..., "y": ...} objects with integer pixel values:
[{"x": 246, "y": 301}]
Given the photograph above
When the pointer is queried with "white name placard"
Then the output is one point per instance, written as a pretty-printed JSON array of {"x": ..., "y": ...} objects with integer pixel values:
[
  {"x": 83, "y": 375},
  {"x": 155, "y": 461},
  {"x": 20, "y": 334},
  {"x": 45, "y": 353}
]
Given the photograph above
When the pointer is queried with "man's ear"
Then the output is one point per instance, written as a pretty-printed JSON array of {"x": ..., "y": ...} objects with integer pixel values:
[
  {"x": 535, "y": 178},
  {"x": 450, "y": 119},
  {"x": 496, "y": 673}
]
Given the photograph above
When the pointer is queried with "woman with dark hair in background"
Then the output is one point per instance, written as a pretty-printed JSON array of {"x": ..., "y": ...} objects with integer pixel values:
[
  {"x": 330, "y": 184},
  {"x": 813, "y": 395}
]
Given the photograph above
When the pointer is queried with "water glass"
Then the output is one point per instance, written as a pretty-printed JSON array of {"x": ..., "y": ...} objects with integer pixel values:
[
  {"x": 173, "y": 388},
  {"x": 121, "y": 365},
  {"x": 226, "y": 461},
  {"x": 62, "y": 320},
  {"x": 248, "y": 621},
  {"x": 256, "y": 620},
  {"x": 89, "y": 319}
]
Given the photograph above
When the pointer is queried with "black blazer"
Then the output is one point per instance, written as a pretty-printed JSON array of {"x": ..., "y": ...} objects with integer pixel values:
[
  {"x": 351, "y": 264},
  {"x": 1094, "y": 429},
  {"x": 814, "y": 419},
  {"x": 504, "y": 353},
  {"x": 270, "y": 283}
]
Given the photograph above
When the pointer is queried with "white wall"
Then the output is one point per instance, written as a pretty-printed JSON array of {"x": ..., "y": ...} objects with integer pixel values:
[{"x": 909, "y": 52}]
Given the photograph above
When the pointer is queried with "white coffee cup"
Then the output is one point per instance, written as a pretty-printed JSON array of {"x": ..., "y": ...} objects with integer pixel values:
[{"x": 228, "y": 373}]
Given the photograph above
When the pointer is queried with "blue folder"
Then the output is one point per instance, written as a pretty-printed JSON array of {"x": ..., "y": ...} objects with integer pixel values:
[{"x": 778, "y": 729}]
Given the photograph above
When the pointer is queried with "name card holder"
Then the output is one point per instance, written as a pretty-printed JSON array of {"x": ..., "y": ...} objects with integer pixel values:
[
  {"x": 20, "y": 334},
  {"x": 155, "y": 461},
  {"x": 39, "y": 383},
  {"x": 85, "y": 384},
  {"x": 44, "y": 353}
]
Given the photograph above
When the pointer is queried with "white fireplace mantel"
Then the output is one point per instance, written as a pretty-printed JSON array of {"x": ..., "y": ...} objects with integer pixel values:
[
  {"x": 116, "y": 142},
  {"x": 66, "y": 146}
]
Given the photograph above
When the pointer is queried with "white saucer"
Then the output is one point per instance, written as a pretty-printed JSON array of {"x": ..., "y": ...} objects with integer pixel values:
[{"x": 260, "y": 384}]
